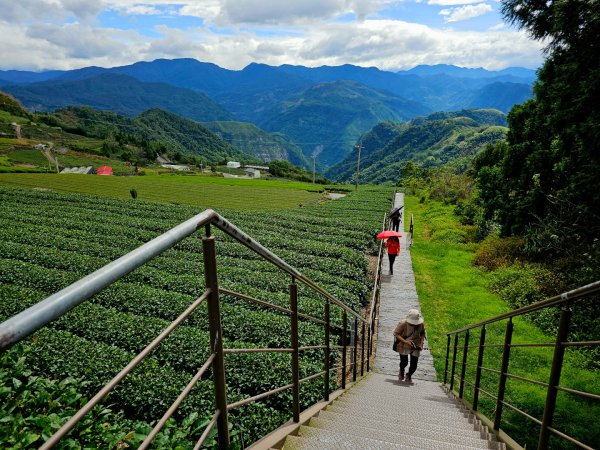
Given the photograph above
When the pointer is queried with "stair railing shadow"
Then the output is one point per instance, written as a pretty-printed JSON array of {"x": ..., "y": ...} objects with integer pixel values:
[
  {"x": 28, "y": 321},
  {"x": 458, "y": 350}
]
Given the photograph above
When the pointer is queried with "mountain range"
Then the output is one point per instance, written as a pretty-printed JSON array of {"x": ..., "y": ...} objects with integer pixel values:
[
  {"x": 443, "y": 138},
  {"x": 321, "y": 110}
]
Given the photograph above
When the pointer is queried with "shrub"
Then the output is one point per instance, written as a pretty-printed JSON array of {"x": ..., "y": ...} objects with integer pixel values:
[{"x": 495, "y": 252}]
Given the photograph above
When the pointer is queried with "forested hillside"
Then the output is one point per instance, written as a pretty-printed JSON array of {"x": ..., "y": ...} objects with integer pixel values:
[
  {"x": 258, "y": 143},
  {"x": 439, "y": 139},
  {"x": 155, "y": 131},
  {"x": 332, "y": 115},
  {"x": 310, "y": 105},
  {"x": 118, "y": 93}
]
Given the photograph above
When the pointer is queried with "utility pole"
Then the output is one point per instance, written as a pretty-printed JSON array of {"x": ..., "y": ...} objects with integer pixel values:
[{"x": 359, "y": 146}]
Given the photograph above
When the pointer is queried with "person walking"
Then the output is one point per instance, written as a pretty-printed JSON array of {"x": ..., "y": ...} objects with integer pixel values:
[
  {"x": 393, "y": 250},
  {"x": 410, "y": 337},
  {"x": 395, "y": 218}
]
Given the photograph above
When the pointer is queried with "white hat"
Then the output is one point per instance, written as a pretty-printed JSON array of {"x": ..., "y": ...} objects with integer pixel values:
[{"x": 414, "y": 317}]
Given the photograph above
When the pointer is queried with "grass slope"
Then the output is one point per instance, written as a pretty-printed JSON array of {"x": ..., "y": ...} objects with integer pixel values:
[{"x": 453, "y": 294}]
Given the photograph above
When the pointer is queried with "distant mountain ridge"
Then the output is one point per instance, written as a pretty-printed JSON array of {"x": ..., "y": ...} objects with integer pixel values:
[
  {"x": 464, "y": 72},
  {"x": 283, "y": 99}
]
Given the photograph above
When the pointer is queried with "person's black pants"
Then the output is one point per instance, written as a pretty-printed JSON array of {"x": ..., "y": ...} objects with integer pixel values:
[
  {"x": 392, "y": 258},
  {"x": 413, "y": 363},
  {"x": 395, "y": 225}
]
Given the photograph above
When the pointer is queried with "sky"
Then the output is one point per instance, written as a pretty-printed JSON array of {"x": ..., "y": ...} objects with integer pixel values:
[{"x": 391, "y": 35}]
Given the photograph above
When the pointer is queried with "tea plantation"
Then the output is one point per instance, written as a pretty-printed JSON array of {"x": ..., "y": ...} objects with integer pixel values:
[{"x": 49, "y": 240}]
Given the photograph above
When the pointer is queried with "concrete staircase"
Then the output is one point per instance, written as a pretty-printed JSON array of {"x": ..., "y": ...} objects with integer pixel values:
[{"x": 381, "y": 413}]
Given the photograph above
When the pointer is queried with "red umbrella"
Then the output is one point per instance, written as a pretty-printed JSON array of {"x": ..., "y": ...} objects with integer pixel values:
[{"x": 388, "y": 234}]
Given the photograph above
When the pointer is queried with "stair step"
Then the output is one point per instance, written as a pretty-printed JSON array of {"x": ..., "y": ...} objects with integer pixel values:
[
  {"x": 413, "y": 436},
  {"x": 394, "y": 402},
  {"x": 425, "y": 415},
  {"x": 310, "y": 443},
  {"x": 454, "y": 433},
  {"x": 345, "y": 440}
]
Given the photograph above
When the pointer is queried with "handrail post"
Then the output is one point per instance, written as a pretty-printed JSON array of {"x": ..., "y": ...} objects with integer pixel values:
[
  {"x": 362, "y": 350},
  {"x": 463, "y": 370},
  {"x": 453, "y": 362},
  {"x": 327, "y": 346},
  {"x": 355, "y": 353},
  {"x": 447, "y": 359},
  {"x": 503, "y": 371},
  {"x": 295, "y": 362},
  {"x": 214, "y": 322},
  {"x": 369, "y": 343},
  {"x": 344, "y": 347},
  {"x": 555, "y": 372},
  {"x": 479, "y": 366}
]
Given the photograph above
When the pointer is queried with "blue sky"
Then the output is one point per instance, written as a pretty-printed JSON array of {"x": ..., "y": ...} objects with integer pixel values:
[{"x": 389, "y": 34}]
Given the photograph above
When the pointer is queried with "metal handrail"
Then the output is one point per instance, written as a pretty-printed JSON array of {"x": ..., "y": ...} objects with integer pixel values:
[
  {"x": 375, "y": 296},
  {"x": 44, "y": 312},
  {"x": 28, "y": 321},
  {"x": 566, "y": 300},
  {"x": 575, "y": 294}
]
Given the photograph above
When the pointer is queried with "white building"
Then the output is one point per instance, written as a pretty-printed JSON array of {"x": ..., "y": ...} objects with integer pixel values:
[{"x": 233, "y": 164}]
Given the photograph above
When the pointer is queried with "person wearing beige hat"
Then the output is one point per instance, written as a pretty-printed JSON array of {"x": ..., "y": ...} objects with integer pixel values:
[{"x": 410, "y": 337}]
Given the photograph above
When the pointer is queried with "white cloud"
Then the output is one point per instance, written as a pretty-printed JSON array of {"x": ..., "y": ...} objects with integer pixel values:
[
  {"x": 452, "y": 2},
  {"x": 142, "y": 10},
  {"x": 308, "y": 40},
  {"x": 498, "y": 27},
  {"x": 465, "y": 12}
]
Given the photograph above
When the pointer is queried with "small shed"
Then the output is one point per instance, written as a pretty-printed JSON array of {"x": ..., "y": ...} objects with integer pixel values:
[
  {"x": 252, "y": 173},
  {"x": 104, "y": 170},
  {"x": 233, "y": 164}
]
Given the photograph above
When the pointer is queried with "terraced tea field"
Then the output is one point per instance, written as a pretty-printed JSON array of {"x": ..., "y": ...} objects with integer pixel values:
[
  {"x": 200, "y": 191},
  {"x": 49, "y": 240}
]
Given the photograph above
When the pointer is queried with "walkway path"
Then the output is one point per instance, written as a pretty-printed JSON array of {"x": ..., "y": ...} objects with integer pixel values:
[
  {"x": 398, "y": 296},
  {"x": 379, "y": 412}
]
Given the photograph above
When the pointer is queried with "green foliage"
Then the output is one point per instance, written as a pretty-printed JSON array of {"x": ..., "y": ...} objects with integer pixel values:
[
  {"x": 285, "y": 169},
  {"x": 454, "y": 294},
  {"x": 9, "y": 104},
  {"x": 40, "y": 253},
  {"x": 495, "y": 252},
  {"x": 199, "y": 191},
  {"x": 441, "y": 139},
  {"x": 35, "y": 407},
  {"x": 537, "y": 185}
]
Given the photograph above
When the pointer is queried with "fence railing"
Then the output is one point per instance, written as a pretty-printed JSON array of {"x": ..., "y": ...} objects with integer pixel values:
[
  {"x": 458, "y": 341},
  {"x": 25, "y": 323}
]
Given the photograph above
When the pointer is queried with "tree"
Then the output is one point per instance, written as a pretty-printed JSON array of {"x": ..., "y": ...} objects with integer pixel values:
[{"x": 550, "y": 163}]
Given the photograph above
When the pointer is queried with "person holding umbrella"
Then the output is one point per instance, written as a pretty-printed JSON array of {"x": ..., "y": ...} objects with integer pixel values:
[
  {"x": 395, "y": 216},
  {"x": 393, "y": 249},
  {"x": 392, "y": 244}
]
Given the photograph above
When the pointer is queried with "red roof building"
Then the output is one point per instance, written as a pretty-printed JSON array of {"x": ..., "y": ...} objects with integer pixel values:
[{"x": 104, "y": 170}]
